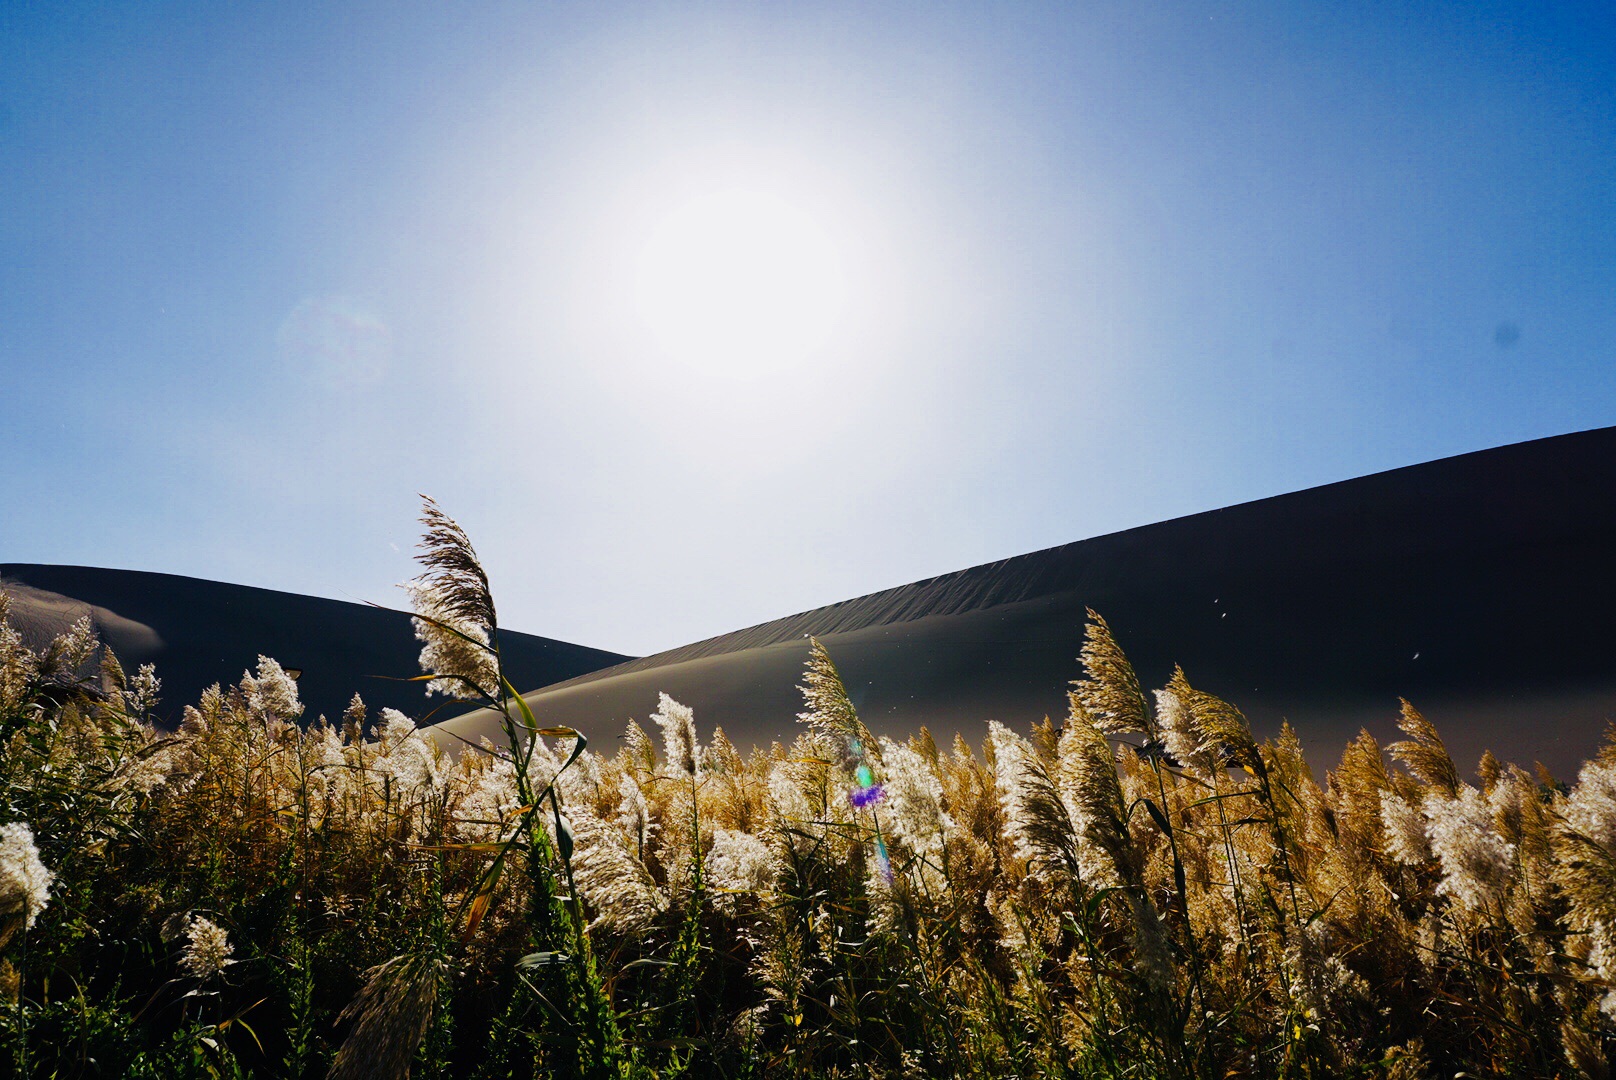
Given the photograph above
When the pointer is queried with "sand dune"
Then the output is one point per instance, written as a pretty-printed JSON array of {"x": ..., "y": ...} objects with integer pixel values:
[
  {"x": 201, "y": 632},
  {"x": 1482, "y": 587}
]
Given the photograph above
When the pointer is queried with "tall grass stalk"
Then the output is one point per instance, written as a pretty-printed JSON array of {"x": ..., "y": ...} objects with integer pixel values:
[{"x": 1146, "y": 890}]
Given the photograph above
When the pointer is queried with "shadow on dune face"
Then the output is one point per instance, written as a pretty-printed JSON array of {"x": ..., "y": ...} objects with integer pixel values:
[
  {"x": 201, "y": 632},
  {"x": 1482, "y": 587}
]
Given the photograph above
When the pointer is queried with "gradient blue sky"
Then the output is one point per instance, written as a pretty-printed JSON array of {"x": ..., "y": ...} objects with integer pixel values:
[{"x": 1116, "y": 262}]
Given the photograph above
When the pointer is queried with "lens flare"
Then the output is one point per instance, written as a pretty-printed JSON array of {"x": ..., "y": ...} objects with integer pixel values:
[{"x": 334, "y": 342}]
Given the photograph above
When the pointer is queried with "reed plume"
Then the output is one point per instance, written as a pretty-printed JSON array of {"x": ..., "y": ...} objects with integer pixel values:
[{"x": 1150, "y": 888}]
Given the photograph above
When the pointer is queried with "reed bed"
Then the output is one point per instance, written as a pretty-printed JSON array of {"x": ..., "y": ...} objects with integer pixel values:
[{"x": 1141, "y": 889}]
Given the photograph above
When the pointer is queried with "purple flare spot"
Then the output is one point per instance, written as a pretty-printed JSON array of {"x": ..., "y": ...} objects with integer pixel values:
[{"x": 863, "y": 797}]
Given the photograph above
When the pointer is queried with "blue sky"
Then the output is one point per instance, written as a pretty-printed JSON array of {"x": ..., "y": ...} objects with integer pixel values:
[{"x": 266, "y": 271}]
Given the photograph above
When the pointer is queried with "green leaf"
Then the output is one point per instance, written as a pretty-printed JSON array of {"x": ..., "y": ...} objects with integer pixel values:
[
  {"x": 563, "y": 836},
  {"x": 1158, "y": 817}
]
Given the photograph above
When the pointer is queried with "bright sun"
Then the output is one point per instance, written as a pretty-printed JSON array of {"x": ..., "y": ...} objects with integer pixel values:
[{"x": 740, "y": 282}]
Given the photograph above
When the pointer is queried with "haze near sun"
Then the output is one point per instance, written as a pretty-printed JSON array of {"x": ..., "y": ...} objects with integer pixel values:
[{"x": 739, "y": 282}]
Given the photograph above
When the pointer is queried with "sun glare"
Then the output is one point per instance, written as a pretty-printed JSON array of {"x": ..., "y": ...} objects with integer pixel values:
[{"x": 739, "y": 282}]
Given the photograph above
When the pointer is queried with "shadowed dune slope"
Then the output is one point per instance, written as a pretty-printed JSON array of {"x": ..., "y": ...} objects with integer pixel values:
[
  {"x": 1481, "y": 587},
  {"x": 202, "y": 632}
]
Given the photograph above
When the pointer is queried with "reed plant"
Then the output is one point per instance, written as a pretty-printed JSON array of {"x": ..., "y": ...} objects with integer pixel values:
[{"x": 1143, "y": 888}]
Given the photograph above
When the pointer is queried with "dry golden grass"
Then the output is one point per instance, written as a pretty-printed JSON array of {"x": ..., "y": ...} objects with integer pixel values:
[{"x": 1143, "y": 889}]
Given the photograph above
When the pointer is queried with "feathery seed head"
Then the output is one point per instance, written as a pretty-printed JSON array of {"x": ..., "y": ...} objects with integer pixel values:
[
  {"x": 611, "y": 877},
  {"x": 1092, "y": 792},
  {"x": 1489, "y": 769},
  {"x": 1477, "y": 863},
  {"x": 1424, "y": 754},
  {"x": 69, "y": 651},
  {"x": 797, "y": 792},
  {"x": 24, "y": 880},
  {"x": 679, "y": 746},
  {"x": 720, "y": 756},
  {"x": 1110, "y": 693},
  {"x": 149, "y": 766},
  {"x": 113, "y": 679},
  {"x": 353, "y": 720},
  {"x": 455, "y": 649},
  {"x": 207, "y": 949},
  {"x": 738, "y": 866},
  {"x": 453, "y": 571},
  {"x": 914, "y": 812},
  {"x": 1221, "y": 729},
  {"x": 1013, "y": 761},
  {"x": 830, "y": 710},
  {"x": 1585, "y": 859},
  {"x": 1179, "y": 731},
  {"x": 1591, "y": 808},
  {"x": 639, "y": 753},
  {"x": 1357, "y": 785},
  {"x": 1152, "y": 952},
  {"x": 633, "y": 815},
  {"x": 1318, "y": 979},
  {"x": 454, "y": 610},
  {"x": 391, "y": 1014},
  {"x": 1404, "y": 827},
  {"x": 393, "y": 730},
  {"x": 489, "y": 800},
  {"x": 272, "y": 693},
  {"x": 140, "y": 695},
  {"x": 18, "y": 663},
  {"x": 415, "y": 766}
]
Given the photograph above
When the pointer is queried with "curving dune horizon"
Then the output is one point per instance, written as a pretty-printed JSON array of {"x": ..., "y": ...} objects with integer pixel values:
[
  {"x": 1481, "y": 587},
  {"x": 200, "y": 632}
]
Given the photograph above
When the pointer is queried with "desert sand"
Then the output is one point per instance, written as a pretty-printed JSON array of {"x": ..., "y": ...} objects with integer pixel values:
[{"x": 1481, "y": 587}]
